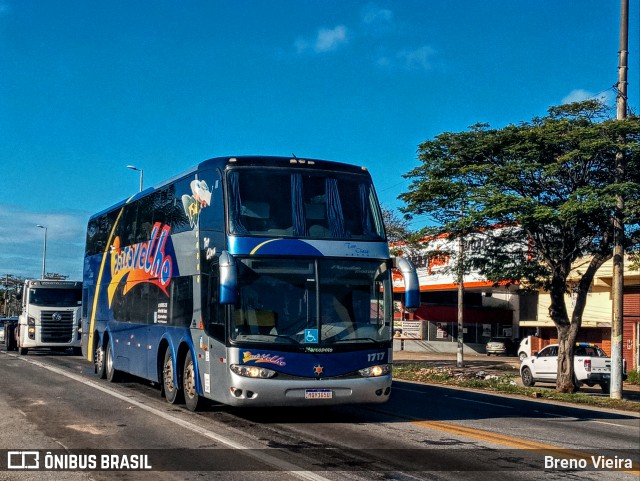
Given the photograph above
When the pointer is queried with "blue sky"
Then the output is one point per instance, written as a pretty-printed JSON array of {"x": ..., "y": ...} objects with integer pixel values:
[{"x": 89, "y": 87}]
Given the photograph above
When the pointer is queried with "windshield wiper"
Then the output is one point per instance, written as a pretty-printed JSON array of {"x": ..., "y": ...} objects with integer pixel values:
[
  {"x": 259, "y": 338},
  {"x": 357, "y": 339}
]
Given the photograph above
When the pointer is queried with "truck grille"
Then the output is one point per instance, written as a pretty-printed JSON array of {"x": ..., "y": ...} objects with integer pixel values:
[{"x": 54, "y": 330}]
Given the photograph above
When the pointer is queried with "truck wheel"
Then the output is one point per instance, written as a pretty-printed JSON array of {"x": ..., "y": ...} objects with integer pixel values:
[
  {"x": 576, "y": 385},
  {"x": 170, "y": 388},
  {"x": 98, "y": 361},
  {"x": 606, "y": 387},
  {"x": 113, "y": 375},
  {"x": 191, "y": 397},
  {"x": 10, "y": 338},
  {"x": 527, "y": 377}
]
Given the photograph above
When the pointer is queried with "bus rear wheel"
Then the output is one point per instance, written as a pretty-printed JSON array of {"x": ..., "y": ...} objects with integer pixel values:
[
  {"x": 170, "y": 388},
  {"x": 98, "y": 361},
  {"x": 113, "y": 375},
  {"x": 191, "y": 398}
]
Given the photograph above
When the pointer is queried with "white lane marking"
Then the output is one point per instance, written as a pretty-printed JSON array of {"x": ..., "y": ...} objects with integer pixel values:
[
  {"x": 511, "y": 407},
  {"x": 482, "y": 402},
  {"x": 258, "y": 454},
  {"x": 614, "y": 424},
  {"x": 458, "y": 398}
]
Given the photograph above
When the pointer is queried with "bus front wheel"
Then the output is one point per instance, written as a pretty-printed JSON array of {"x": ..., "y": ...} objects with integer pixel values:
[
  {"x": 191, "y": 397},
  {"x": 170, "y": 388}
]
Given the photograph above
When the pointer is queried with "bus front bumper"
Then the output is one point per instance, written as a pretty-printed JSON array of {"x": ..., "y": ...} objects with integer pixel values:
[{"x": 311, "y": 392}]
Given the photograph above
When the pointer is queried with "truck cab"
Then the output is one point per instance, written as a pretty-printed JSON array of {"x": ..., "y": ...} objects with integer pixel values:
[{"x": 50, "y": 317}]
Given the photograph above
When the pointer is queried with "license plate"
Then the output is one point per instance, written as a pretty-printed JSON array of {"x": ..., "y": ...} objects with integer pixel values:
[{"x": 318, "y": 394}]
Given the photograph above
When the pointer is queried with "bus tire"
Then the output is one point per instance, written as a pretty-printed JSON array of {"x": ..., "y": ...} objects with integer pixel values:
[
  {"x": 191, "y": 398},
  {"x": 98, "y": 361},
  {"x": 113, "y": 375},
  {"x": 170, "y": 388},
  {"x": 23, "y": 351}
]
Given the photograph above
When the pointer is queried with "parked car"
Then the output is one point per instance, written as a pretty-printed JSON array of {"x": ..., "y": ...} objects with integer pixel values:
[
  {"x": 504, "y": 346},
  {"x": 591, "y": 366}
]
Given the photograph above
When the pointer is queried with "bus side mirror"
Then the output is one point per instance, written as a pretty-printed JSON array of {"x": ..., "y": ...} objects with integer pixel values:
[
  {"x": 228, "y": 279},
  {"x": 411, "y": 283}
]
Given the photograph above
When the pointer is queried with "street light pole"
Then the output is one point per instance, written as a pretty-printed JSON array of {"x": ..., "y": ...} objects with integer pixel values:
[
  {"x": 133, "y": 167},
  {"x": 44, "y": 251}
]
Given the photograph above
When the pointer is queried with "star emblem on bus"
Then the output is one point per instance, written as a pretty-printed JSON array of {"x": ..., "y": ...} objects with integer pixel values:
[{"x": 318, "y": 369}]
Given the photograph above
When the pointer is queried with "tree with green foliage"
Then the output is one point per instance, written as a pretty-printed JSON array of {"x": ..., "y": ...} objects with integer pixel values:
[
  {"x": 397, "y": 229},
  {"x": 550, "y": 185}
]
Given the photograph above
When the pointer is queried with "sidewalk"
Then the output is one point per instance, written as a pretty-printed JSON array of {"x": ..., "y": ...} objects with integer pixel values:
[{"x": 495, "y": 365}]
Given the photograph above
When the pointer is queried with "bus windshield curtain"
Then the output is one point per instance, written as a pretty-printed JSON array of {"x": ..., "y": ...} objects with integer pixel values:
[
  {"x": 334, "y": 209},
  {"x": 299, "y": 224},
  {"x": 235, "y": 202},
  {"x": 364, "y": 209}
]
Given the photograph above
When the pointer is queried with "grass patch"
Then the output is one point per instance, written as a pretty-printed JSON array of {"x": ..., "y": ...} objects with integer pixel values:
[{"x": 503, "y": 383}]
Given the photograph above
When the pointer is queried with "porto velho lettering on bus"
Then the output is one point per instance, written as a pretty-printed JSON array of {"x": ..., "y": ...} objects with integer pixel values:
[{"x": 143, "y": 262}]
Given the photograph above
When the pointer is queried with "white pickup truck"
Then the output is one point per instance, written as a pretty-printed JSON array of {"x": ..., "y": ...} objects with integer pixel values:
[{"x": 590, "y": 364}]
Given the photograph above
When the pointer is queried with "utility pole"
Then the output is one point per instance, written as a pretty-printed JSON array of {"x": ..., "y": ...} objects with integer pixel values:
[
  {"x": 618, "y": 221},
  {"x": 460, "y": 352}
]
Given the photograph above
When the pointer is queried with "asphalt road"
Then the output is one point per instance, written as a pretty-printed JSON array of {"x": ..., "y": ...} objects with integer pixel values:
[{"x": 53, "y": 404}]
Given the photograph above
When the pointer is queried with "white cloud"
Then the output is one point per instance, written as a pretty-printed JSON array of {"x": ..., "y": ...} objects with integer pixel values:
[
  {"x": 326, "y": 40},
  {"x": 578, "y": 95},
  {"x": 377, "y": 15},
  {"x": 416, "y": 59}
]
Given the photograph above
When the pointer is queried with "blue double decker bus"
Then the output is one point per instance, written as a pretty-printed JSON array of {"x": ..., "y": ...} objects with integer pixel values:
[{"x": 251, "y": 281}]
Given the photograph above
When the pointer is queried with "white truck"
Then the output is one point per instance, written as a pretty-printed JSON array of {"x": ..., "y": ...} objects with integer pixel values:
[
  {"x": 50, "y": 317},
  {"x": 591, "y": 366},
  {"x": 524, "y": 349}
]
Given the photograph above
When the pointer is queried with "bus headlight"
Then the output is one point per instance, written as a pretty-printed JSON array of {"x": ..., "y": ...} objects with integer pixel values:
[
  {"x": 31, "y": 321},
  {"x": 375, "y": 371},
  {"x": 252, "y": 371}
]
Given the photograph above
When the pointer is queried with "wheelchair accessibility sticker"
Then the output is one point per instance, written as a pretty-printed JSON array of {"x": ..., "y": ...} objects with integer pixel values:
[{"x": 311, "y": 335}]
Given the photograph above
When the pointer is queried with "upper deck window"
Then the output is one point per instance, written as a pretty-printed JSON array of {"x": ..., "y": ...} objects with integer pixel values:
[{"x": 322, "y": 205}]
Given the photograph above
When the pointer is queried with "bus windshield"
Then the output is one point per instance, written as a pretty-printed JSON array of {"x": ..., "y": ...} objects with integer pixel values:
[
  {"x": 275, "y": 203},
  {"x": 55, "y": 297},
  {"x": 312, "y": 302}
]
